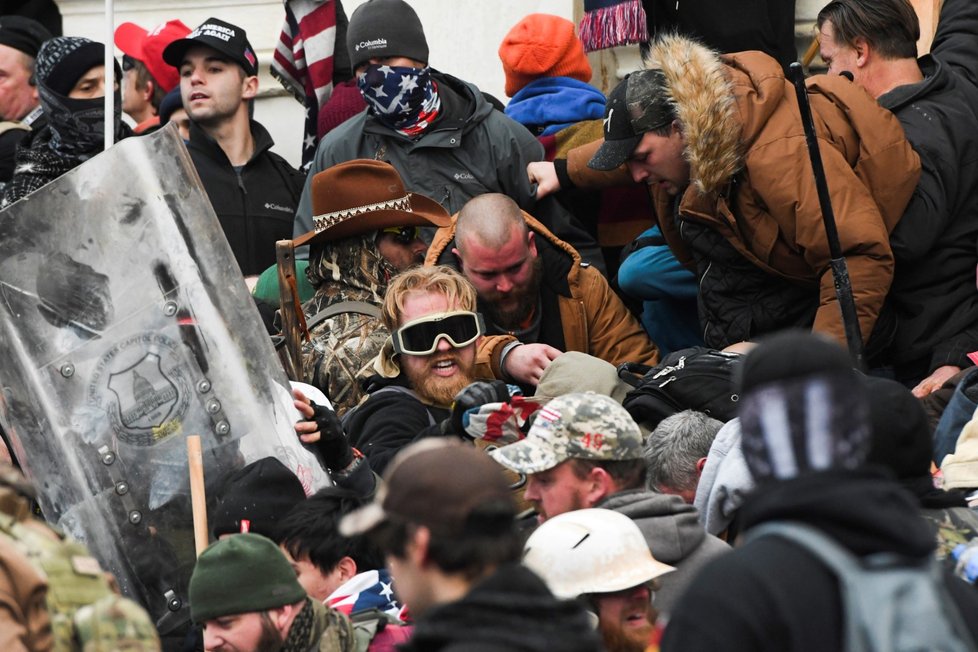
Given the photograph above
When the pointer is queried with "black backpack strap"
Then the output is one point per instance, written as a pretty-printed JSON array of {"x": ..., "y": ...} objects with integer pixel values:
[
  {"x": 359, "y": 307},
  {"x": 633, "y": 372}
]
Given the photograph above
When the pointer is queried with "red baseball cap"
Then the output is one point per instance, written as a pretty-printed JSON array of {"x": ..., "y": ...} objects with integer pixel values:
[{"x": 147, "y": 46}]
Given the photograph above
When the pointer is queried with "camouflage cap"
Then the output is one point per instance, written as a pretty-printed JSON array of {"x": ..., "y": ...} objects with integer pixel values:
[{"x": 574, "y": 426}]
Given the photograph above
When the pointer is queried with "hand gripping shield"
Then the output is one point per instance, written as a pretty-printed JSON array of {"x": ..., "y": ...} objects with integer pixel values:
[{"x": 124, "y": 327}]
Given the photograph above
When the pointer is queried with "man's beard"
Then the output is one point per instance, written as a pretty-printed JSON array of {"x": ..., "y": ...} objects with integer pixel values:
[
  {"x": 618, "y": 639},
  {"x": 271, "y": 640},
  {"x": 438, "y": 390},
  {"x": 527, "y": 300}
]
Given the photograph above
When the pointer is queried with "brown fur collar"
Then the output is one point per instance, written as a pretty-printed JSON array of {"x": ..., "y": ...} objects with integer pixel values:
[{"x": 703, "y": 97}]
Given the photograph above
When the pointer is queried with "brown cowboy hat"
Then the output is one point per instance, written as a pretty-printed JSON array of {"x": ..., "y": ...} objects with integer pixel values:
[{"x": 363, "y": 195}]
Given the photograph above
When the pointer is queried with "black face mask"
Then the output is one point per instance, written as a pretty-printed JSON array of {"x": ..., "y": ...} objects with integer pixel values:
[{"x": 77, "y": 126}]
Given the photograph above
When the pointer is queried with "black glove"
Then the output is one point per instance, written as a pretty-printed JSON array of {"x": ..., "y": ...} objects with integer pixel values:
[
  {"x": 332, "y": 444},
  {"x": 473, "y": 396}
]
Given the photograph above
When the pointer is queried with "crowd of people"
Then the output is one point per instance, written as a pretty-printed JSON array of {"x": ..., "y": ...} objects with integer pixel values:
[{"x": 511, "y": 322}]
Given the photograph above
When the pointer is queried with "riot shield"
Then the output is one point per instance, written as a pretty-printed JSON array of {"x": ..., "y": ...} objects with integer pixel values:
[{"x": 125, "y": 327}]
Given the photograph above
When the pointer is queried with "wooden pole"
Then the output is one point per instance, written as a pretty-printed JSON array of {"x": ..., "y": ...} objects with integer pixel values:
[
  {"x": 198, "y": 499},
  {"x": 293, "y": 321}
]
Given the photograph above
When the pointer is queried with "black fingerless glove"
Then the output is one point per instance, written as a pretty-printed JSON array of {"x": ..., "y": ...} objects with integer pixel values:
[
  {"x": 333, "y": 445},
  {"x": 474, "y": 396}
]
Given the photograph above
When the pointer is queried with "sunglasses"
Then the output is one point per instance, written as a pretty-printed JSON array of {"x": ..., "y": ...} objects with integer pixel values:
[
  {"x": 420, "y": 337},
  {"x": 404, "y": 235},
  {"x": 128, "y": 63}
]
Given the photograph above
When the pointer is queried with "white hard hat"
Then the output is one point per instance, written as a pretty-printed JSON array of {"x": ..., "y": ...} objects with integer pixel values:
[{"x": 591, "y": 551}]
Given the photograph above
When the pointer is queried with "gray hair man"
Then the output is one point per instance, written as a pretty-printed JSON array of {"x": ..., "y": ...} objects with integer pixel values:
[{"x": 676, "y": 451}]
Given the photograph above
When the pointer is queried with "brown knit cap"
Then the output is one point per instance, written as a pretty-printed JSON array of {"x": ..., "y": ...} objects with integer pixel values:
[{"x": 542, "y": 45}]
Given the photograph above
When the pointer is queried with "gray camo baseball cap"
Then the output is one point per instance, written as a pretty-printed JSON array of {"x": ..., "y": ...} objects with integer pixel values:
[{"x": 574, "y": 426}]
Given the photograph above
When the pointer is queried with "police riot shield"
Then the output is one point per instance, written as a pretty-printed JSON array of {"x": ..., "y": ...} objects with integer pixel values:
[{"x": 125, "y": 326}]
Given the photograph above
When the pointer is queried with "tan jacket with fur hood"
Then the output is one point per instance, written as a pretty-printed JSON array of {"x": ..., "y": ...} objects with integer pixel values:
[
  {"x": 741, "y": 121},
  {"x": 593, "y": 318}
]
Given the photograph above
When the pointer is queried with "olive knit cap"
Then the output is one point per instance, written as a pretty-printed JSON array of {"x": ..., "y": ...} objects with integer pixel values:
[{"x": 241, "y": 574}]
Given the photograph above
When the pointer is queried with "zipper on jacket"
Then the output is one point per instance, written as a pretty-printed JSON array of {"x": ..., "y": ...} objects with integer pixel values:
[{"x": 244, "y": 213}]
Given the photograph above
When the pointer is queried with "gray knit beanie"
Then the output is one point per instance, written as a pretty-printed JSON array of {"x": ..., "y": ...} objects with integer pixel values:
[{"x": 385, "y": 28}]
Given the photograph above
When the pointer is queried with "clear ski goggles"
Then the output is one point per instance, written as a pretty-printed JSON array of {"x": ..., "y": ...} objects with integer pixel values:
[{"x": 420, "y": 336}]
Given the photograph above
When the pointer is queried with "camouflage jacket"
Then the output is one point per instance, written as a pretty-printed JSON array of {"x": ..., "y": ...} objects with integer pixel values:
[
  {"x": 319, "y": 628},
  {"x": 340, "y": 349},
  {"x": 71, "y": 606}
]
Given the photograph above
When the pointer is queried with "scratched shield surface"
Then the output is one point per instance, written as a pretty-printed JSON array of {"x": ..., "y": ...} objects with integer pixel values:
[{"x": 125, "y": 326}]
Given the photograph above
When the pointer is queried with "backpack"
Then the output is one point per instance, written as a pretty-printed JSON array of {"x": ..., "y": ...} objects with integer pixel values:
[
  {"x": 86, "y": 614},
  {"x": 696, "y": 378},
  {"x": 889, "y": 603}
]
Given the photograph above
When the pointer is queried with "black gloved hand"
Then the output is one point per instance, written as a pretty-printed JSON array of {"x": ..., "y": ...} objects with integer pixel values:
[
  {"x": 333, "y": 445},
  {"x": 473, "y": 396}
]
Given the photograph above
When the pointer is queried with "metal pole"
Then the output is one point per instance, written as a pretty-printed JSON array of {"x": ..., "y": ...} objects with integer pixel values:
[
  {"x": 840, "y": 271},
  {"x": 109, "y": 62}
]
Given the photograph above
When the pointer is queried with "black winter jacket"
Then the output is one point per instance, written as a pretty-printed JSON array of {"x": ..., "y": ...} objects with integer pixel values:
[
  {"x": 772, "y": 596},
  {"x": 935, "y": 243},
  {"x": 257, "y": 205},
  {"x": 510, "y": 611},
  {"x": 389, "y": 420}
]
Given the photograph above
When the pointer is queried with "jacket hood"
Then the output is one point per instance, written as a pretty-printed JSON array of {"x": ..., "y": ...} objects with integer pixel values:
[
  {"x": 863, "y": 510},
  {"x": 671, "y": 527},
  {"x": 702, "y": 94},
  {"x": 725, "y": 482}
]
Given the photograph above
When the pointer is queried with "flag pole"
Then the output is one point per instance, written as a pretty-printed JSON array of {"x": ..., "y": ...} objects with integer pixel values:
[{"x": 109, "y": 62}]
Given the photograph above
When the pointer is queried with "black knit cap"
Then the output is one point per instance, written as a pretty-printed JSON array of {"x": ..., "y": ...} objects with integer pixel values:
[
  {"x": 63, "y": 60},
  {"x": 261, "y": 493},
  {"x": 171, "y": 102},
  {"x": 385, "y": 28},
  {"x": 24, "y": 34},
  {"x": 802, "y": 408},
  {"x": 901, "y": 437}
]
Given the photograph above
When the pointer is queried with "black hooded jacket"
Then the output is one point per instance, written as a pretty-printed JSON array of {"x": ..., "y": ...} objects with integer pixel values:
[
  {"x": 510, "y": 611},
  {"x": 771, "y": 595},
  {"x": 255, "y": 206}
]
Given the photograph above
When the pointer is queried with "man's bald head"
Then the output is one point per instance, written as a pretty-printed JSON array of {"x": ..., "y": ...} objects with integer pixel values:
[
  {"x": 497, "y": 252},
  {"x": 490, "y": 219}
]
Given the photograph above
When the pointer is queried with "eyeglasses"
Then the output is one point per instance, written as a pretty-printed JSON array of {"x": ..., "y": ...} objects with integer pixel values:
[
  {"x": 404, "y": 235},
  {"x": 420, "y": 337},
  {"x": 128, "y": 63}
]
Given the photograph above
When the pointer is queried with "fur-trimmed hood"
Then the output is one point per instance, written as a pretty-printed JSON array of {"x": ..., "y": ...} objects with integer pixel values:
[{"x": 702, "y": 94}]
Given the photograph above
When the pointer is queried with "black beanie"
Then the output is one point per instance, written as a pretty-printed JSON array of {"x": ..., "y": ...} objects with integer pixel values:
[
  {"x": 385, "y": 28},
  {"x": 901, "y": 435},
  {"x": 803, "y": 408},
  {"x": 62, "y": 61},
  {"x": 23, "y": 34},
  {"x": 261, "y": 493}
]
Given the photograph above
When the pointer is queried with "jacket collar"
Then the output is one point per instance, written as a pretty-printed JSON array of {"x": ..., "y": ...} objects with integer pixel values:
[{"x": 201, "y": 141}]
